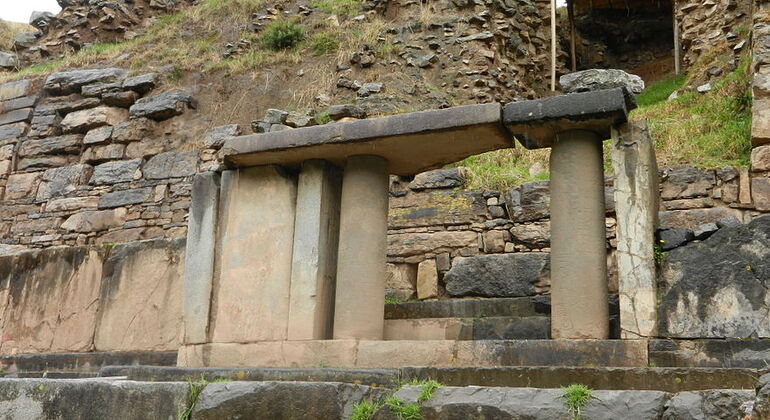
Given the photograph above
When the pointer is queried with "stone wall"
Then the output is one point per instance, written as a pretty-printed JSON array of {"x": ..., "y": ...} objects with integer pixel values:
[
  {"x": 93, "y": 298},
  {"x": 448, "y": 242},
  {"x": 707, "y": 26}
]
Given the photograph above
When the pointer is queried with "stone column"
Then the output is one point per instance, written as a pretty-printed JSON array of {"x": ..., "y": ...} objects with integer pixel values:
[
  {"x": 636, "y": 207},
  {"x": 199, "y": 257},
  {"x": 360, "y": 296},
  {"x": 314, "y": 260},
  {"x": 579, "y": 306}
]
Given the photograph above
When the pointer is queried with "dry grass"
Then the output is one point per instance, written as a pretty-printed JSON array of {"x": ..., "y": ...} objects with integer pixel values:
[{"x": 8, "y": 31}]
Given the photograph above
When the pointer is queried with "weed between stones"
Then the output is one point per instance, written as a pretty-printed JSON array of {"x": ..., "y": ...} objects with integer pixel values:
[{"x": 575, "y": 397}]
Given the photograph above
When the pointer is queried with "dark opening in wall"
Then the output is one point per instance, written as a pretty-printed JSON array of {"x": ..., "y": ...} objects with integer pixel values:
[{"x": 633, "y": 35}]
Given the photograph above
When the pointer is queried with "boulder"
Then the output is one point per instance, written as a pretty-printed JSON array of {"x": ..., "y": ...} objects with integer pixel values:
[
  {"x": 115, "y": 172},
  {"x": 297, "y": 120},
  {"x": 95, "y": 221},
  {"x": 69, "y": 144},
  {"x": 718, "y": 288},
  {"x": 162, "y": 106},
  {"x": 8, "y": 61},
  {"x": 21, "y": 185},
  {"x": 529, "y": 201},
  {"x": 687, "y": 182},
  {"x": 762, "y": 401},
  {"x": 671, "y": 238},
  {"x": 599, "y": 79},
  {"x": 506, "y": 275},
  {"x": 272, "y": 400},
  {"x": 533, "y": 235},
  {"x": 440, "y": 178},
  {"x": 66, "y": 82},
  {"x": 132, "y": 130},
  {"x": 338, "y": 112},
  {"x": 12, "y": 90},
  {"x": 24, "y": 40},
  {"x": 142, "y": 83},
  {"x": 711, "y": 404},
  {"x": 16, "y": 116},
  {"x": 41, "y": 20},
  {"x": 704, "y": 231}
]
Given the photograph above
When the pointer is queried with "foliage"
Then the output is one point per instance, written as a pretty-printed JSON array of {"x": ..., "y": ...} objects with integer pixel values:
[
  {"x": 575, "y": 397},
  {"x": 365, "y": 410},
  {"x": 392, "y": 300},
  {"x": 658, "y": 254},
  {"x": 324, "y": 43},
  {"x": 282, "y": 35},
  {"x": 403, "y": 411},
  {"x": 194, "y": 390},
  {"x": 429, "y": 388},
  {"x": 503, "y": 169}
]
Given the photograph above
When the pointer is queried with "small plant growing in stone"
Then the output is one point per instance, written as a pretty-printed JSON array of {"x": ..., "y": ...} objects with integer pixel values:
[
  {"x": 403, "y": 411},
  {"x": 282, "y": 35},
  {"x": 575, "y": 397},
  {"x": 658, "y": 254},
  {"x": 392, "y": 300},
  {"x": 429, "y": 388},
  {"x": 365, "y": 410}
]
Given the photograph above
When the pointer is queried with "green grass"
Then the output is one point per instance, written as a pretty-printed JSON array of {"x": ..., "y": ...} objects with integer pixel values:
[
  {"x": 365, "y": 410},
  {"x": 282, "y": 35},
  {"x": 324, "y": 43},
  {"x": 705, "y": 130},
  {"x": 403, "y": 411},
  {"x": 338, "y": 7},
  {"x": 660, "y": 91},
  {"x": 575, "y": 397},
  {"x": 392, "y": 300}
]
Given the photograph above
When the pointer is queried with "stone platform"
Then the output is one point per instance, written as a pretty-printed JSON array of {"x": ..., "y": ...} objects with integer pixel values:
[{"x": 435, "y": 353}]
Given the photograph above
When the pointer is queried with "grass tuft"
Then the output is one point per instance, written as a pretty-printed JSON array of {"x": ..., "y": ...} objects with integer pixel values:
[
  {"x": 576, "y": 397},
  {"x": 282, "y": 35},
  {"x": 365, "y": 410},
  {"x": 660, "y": 91},
  {"x": 338, "y": 7},
  {"x": 403, "y": 411}
]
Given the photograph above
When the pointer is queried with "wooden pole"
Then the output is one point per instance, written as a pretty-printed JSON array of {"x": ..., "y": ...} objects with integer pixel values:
[
  {"x": 677, "y": 48},
  {"x": 553, "y": 45},
  {"x": 571, "y": 16}
]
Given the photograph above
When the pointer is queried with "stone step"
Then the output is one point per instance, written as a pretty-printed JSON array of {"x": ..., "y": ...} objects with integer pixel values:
[
  {"x": 84, "y": 362},
  {"x": 470, "y": 308},
  {"x": 491, "y": 328},
  {"x": 658, "y": 379}
]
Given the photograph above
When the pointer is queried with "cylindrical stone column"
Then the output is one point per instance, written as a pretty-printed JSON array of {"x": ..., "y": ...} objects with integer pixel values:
[
  {"x": 359, "y": 308},
  {"x": 579, "y": 307}
]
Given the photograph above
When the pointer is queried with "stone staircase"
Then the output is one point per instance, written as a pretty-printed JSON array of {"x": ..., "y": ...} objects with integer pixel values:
[{"x": 523, "y": 318}]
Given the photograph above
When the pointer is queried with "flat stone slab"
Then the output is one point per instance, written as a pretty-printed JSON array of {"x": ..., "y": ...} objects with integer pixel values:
[
  {"x": 644, "y": 378},
  {"x": 412, "y": 143},
  {"x": 536, "y": 123},
  {"x": 432, "y": 353},
  {"x": 84, "y": 361}
]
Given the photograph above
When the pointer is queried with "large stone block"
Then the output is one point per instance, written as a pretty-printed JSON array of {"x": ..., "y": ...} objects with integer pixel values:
[
  {"x": 52, "y": 145},
  {"x": 16, "y": 116},
  {"x": 418, "y": 244},
  {"x": 162, "y": 106},
  {"x": 125, "y": 197},
  {"x": 691, "y": 219},
  {"x": 140, "y": 304},
  {"x": 95, "y": 221},
  {"x": 116, "y": 172},
  {"x": 760, "y": 193},
  {"x": 427, "y": 280},
  {"x": 61, "y": 181},
  {"x": 87, "y": 119},
  {"x": 50, "y": 297},
  {"x": 436, "y": 208},
  {"x": 637, "y": 202},
  {"x": 718, "y": 288},
  {"x": 506, "y": 275},
  {"x": 711, "y": 404},
  {"x": 13, "y": 131},
  {"x": 63, "y": 83},
  {"x": 171, "y": 165},
  {"x": 21, "y": 185},
  {"x": 254, "y": 252},
  {"x": 91, "y": 399},
  {"x": 760, "y": 158},
  {"x": 12, "y": 90},
  {"x": 529, "y": 201},
  {"x": 440, "y": 178},
  {"x": 686, "y": 182},
  {"x": 201, "y": 247},
  {"x": 315, "y": 400},
  {"x": 314, "y": 256},
  {"x": 760, "y": 122}
]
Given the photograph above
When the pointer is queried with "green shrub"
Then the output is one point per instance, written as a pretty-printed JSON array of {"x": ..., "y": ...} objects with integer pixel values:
[
  {"x": 282, "y": 35},
  {"x": 324, "y": 43},
  {"x": 403, "y": 411},
  {"x": 365, "y": 410}
]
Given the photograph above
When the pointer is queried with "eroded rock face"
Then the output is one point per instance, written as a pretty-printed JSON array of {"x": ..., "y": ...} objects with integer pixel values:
[
  {"x": 507, "y": 275},
  {"x": 718, "y": 287},
  {"x": 711, "y": 404}
]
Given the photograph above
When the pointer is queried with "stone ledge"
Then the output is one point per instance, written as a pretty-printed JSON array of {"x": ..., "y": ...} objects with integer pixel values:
[
  {"x": 432, "y": 353},
  {"x": 88, "y": 362},
  {"x": 411, "y": 143},
  {"x": 536, "y": 123}
]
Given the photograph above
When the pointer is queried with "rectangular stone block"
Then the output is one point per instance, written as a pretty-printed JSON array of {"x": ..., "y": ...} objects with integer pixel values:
[
  {"x": 760, "y": 122},
  {"x": 199, "y": 270},
  {"x": 314, "y": 257},
  {"x": 254, "y": 255},
  {"x": 636, "y": 207},
  {"x": 12, "y": 90},
  {"x": 19, "y": 115}
]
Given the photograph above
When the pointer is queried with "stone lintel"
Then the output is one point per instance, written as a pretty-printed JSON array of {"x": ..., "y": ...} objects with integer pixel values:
[
  {"x": 412, "y": 143},
  {"x": 536, "y": 123}
]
